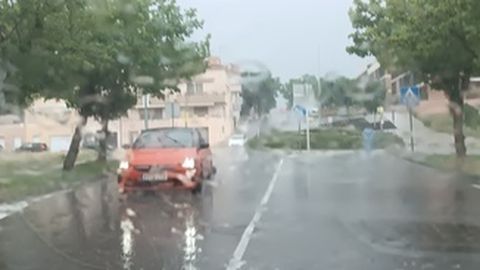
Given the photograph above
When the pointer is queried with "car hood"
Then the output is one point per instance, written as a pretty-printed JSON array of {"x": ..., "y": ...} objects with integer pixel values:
[{"x": 163, "y": 156}]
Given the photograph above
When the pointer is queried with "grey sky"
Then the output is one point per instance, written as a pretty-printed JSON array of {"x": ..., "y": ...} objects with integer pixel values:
[{"x": 291, "y": 37}]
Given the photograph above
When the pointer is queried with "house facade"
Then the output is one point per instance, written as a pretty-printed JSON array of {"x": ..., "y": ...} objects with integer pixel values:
[{"x": 210, "y": 101}]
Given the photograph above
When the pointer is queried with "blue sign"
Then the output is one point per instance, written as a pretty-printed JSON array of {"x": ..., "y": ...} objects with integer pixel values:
[
  {"x": 300, "y": 109},
  {"x": 410, "y": 96},
  {"x": 368, "y": 135}
]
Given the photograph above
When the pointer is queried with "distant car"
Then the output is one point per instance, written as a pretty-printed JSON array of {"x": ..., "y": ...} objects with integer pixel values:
[
  {"x": 237, "y": 140},
  {"x": 166, "y": 158},
  {"x": 32, "y": 147}
]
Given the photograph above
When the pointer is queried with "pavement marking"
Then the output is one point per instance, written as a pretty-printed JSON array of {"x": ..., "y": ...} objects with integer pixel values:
[
  {"x": 477, "y": 186},
  {"x": 236, "y": 260}
]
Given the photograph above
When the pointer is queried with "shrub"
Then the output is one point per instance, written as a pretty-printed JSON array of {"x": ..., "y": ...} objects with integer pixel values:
[{"x": 472, "y": 117}]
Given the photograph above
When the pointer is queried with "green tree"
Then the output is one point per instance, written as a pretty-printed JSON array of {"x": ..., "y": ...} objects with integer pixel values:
[
  {"x": 99, "y": 55},
  {"x": 259, "y": 96},
  {"x": 374, "y": 96},
  {"x": 339, "y": 92},
  {"x": 439, "y": 39}
]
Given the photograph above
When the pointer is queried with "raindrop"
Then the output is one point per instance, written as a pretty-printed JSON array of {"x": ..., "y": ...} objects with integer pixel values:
[
  {"x": 130, "y": 212},
  {"x": 143, "y": 80},
  {"x": 129, "y": 8},
  {"x": 252, "y": 74},
  {"x": 123, "y": 59}
]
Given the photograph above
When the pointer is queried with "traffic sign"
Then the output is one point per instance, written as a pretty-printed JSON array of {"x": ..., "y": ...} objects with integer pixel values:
[
  {"x": 172, "y": 110},
  {"x": 304, "y": 113},
  {"x": 298, "y": 91},
  {"x": 300, "y": 109},
  {"x": 410, "y": 96}
]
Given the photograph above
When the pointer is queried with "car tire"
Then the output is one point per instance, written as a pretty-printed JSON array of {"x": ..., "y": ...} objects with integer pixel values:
[{"x": 198, "y": 188}]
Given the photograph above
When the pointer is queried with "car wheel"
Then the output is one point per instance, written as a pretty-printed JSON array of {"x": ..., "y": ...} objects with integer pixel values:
[
  {"x": 198, "y": 188},
  {"x": 205, "y": 175}
]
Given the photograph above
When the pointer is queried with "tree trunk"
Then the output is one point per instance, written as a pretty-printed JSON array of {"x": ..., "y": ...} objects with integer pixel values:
[
  {"x": 102, "y": 151},
  {"x": 456, "y": 110},
  {"x": 71, "y": 157}
]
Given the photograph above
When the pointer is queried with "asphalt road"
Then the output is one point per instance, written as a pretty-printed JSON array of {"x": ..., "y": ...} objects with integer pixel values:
[{"x": 262, "y": 211}]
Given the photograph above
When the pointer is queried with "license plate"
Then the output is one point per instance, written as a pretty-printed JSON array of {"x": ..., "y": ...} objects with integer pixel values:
[{"x": 154, "y": 177}]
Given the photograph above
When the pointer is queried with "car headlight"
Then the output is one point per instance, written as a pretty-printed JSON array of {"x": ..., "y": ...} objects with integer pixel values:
[
  {"x": 123, "y": 165},
  {"x": 188, "y": 163}
]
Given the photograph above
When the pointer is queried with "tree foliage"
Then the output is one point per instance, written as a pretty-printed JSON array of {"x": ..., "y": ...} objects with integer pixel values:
[
  {"x": 98, "y": 55},
  {"x": 338, "y": 92},
  {"x": 345, "y": 92},
  {"x": 439, "y": 39},
  {"x": 259, "y": 96}
]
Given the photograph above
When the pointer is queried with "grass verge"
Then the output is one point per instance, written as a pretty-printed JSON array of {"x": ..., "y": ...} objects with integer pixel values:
[
  {"x": 470, "y": 165},
  {"x": 444, "y": 123},
  {"x": 37, "y": 174},
  {"x": 324, "y": 139}
]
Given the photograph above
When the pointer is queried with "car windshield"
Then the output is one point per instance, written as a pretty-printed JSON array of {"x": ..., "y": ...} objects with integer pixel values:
[
  {"x": 240, "y": 134},
  {"x": 165, "y": 138}
]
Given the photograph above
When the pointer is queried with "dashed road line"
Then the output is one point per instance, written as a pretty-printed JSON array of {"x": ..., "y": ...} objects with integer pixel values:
[{"x": 236, "y": 260}]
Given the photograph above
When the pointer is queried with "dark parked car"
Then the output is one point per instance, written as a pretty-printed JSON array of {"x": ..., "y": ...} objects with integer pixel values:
[{"x": 32, "y": 147}]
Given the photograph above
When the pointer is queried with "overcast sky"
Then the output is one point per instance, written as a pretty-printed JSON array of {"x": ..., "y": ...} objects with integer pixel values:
[{"x": 290, "y": 37}]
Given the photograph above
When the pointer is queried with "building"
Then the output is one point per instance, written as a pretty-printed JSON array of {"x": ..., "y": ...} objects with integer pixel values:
[
  {"x": 433, "y": 101},
  {"x": 210, "y": 101}
]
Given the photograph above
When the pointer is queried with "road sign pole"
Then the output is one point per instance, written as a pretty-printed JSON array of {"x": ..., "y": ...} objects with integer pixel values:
[
  {"x": 145, "y": 111},
  {"x": 172, "y": 107},
  {"x": 307, "y": 125},
  {"x": 410, "y": 116}
]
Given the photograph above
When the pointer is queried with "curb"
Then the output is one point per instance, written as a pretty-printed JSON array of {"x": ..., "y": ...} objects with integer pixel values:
[{"x": 9, "y": 208}]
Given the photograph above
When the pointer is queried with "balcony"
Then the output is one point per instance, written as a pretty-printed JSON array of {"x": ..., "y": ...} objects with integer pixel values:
[{"x": 195, "y": 100}]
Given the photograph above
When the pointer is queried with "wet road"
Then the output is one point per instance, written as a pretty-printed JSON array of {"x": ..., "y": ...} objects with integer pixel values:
[{"x": 262, "y": 211}]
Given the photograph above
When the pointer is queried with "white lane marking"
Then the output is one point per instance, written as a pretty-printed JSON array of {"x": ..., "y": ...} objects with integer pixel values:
[
  {"x": 236, "y": 260},
  {"x": 476, "y": 186}
]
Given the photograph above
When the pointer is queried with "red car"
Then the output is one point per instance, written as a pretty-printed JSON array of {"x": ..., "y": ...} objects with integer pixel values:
[{"x": 166, "y": 158}]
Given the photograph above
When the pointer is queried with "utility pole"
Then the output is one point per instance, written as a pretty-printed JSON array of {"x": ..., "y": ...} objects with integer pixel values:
[
  {"x": 186, "y": 112},
  {"x": 410, "y": 117},
  {"x": 145, "y": 111},
  {"x": 307, "y": 125}
]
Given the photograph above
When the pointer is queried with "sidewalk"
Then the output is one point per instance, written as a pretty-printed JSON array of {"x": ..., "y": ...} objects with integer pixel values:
[{"x": 426, "y": 140}]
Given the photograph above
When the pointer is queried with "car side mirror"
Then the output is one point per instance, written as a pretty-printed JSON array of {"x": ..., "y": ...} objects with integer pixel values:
[{"x": 204, "y": 146}]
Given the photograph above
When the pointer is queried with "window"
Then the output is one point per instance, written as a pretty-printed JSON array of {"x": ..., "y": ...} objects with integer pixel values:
[
  {"x": 217, "y": 111},
  {"x": 153, "y": 113},
  {"x": 200, "y": 111},
  {"x": 194, "y": 88}
]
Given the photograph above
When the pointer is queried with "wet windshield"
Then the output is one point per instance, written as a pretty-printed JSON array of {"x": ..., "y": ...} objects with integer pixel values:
[
  {"x": 167, "y": 138},
  {"x": 240, "y": 134}
]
